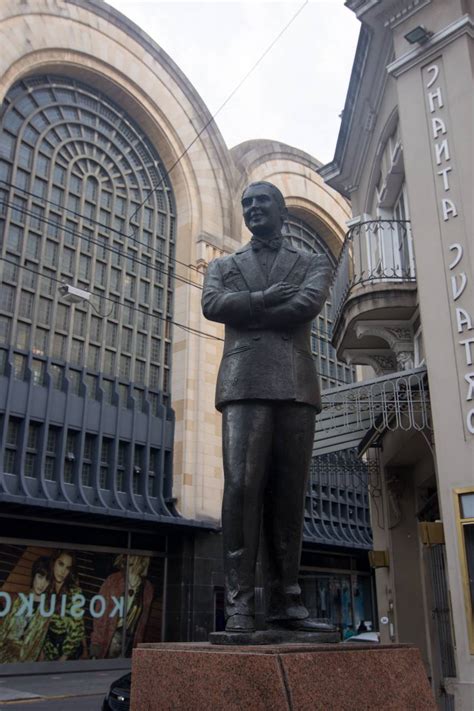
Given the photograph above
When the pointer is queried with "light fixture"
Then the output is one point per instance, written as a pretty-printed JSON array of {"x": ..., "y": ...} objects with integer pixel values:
[
  {"x": 137, "y": 470},
  {"x": 418, "y": 35},
  {"x": 73, "y": 295},
  {"x": 70, "y": 457}
]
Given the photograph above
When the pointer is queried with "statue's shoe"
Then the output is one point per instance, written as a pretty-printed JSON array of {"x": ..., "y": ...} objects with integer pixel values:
[
  {"x": 306, "y": 625},
  {"x": 240, "y": 623}
]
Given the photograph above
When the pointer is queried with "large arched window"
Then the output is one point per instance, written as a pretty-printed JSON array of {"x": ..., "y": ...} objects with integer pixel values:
[
  {"x": 331, "y": 371},
  {"x": 75, "y": 176}
]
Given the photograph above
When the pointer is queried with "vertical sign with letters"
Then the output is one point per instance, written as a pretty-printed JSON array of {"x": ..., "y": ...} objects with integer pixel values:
[{"x": 453, "y": 233}]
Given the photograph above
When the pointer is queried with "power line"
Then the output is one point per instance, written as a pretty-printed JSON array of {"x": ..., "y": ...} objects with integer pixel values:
[
  {"x": 189, "y": 329},
  {"x": 91, "y": 222},
  {"x": 199, "y": 134},
  {"x": 321, "y": 331},
  {"x": 108, "y": 248}
]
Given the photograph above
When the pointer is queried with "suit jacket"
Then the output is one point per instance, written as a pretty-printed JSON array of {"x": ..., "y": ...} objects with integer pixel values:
[{"x": 267, "y": 350}]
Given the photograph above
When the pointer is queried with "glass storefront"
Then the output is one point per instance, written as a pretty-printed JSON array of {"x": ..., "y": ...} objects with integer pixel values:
[
  {"x": 64, "y": 603},
  {"x": 344, "y": 599}
]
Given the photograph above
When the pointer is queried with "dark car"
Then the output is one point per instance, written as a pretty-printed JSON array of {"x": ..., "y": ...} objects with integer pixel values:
[{"x": 118, "y": 696}]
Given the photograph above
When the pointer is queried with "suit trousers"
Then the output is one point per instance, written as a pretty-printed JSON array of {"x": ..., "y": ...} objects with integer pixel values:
[{"x": 267, "y": 447}]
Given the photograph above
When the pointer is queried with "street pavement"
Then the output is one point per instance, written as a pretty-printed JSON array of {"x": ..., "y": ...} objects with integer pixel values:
[
  {"x": 71, "y": 691},
  {"x": 71, "y": 703}
]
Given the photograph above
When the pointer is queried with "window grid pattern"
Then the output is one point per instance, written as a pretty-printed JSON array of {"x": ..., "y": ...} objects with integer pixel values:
[
  {"x": 331, "y": 371},
  {"x": 74, "y": 168}
]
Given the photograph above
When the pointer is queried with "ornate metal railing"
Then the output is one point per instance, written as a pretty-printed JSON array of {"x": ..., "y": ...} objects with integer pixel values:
[
  {"x": 337, "y": 509},
  {"x": 396, "y": 401},
  {"x": 373, "y": 252},
  {"x": 337, "y": 506}
]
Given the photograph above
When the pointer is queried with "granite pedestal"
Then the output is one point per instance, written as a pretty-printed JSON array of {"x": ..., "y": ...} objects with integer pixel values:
[{"x": 296, "y": 677}]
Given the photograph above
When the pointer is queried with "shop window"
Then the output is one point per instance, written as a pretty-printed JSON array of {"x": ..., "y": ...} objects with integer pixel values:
[
  {"x": 123, "y": 394},
  {"x": 108, "y": 390},
  {"x": 125, "y": 367},
  {"x": 51, "y": 449},
  {"x": 93, "y": 357},
  {"x": 31, "y": 449},
  {"x": 19, "y": 366},
  {"x": 154, "y": 399},
  {"x": 11, "y": 445},
  {"x": 91, "y": 384},
  {"x": 59, "y": 346},
  {"x": 5, "y": 328},
  {"x": 465, "y": 512},
  {"x": 74, "y": 377},
  {"x": 7, "y": 298},
  {"x": 153, "y": 469},
  {"x": 3, "y": 361},
  {"x": 38, "y": 371},
  {"x": 105, "y": 455},
  {"x": 70, "y": 456},
  {"x": 109, "y": 362},
  {"x": 23, "y": 334},
  {"x": 122, "y": 463},
  {"x": 87, "y": 459},
  {"x": 138, "y": 456},
  {"x": 57, "y": 376},
  {"x": 139, "y": 396}
]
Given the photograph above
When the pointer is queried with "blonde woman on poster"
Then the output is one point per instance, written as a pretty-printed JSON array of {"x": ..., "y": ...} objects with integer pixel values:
[
  {"x": 22, "y": 635},
  {"x": 107, "y": 632}
]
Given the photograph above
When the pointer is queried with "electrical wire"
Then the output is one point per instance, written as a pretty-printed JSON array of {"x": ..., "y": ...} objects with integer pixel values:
[
  {"x": 91, "y": 221},
  {"x": 189, "y": 329},
  {"x": 91, "y": 240},
  {"x": 233, "y": 92},
  {"x": 319, "y": 330},
  {"x": 118, "y": 251}
]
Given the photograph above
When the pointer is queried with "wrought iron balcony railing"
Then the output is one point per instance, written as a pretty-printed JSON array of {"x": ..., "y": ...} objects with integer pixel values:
[{"x": 374, "y": 252}]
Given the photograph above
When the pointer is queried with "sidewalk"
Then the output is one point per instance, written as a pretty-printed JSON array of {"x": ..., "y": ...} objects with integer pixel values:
[{"x": 58, "y": 685}]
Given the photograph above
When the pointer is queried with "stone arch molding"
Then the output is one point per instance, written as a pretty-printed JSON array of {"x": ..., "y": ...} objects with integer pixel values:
[
  {"x": 295, "y": 173},
  {"x": 117, "y": 58}
]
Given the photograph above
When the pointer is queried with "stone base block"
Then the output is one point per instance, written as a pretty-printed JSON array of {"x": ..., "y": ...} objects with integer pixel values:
[
  {"x": 293, "y": 677},
  {"x": 274, "y": 637}
]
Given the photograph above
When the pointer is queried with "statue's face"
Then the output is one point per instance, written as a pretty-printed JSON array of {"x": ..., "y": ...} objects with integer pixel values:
[{"x": 261, "y": 211}]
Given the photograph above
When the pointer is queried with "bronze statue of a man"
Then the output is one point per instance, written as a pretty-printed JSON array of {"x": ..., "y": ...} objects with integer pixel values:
[{"x": 267, "y": 294}]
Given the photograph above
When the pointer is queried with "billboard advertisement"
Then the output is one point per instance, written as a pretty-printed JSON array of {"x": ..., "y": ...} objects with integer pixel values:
[{"x": 59, "y": 604}]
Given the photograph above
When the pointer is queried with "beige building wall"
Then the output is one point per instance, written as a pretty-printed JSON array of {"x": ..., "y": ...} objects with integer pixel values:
[
  {"x": 92, "y": 42},
  {"x": 426, "y": 89},
  {"x": 438, "y": 85},
  {"x": 198, "y": 476}
]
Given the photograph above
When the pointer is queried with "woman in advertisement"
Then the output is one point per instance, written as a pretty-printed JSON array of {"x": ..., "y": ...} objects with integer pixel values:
[
  {"x": 66, "y": 633},
  {"x": 107, "y": 633},
  {"x": 22, "y": 634}
]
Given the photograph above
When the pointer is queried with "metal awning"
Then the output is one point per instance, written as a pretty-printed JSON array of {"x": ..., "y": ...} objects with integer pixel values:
[{"x": 396, "y": 401}]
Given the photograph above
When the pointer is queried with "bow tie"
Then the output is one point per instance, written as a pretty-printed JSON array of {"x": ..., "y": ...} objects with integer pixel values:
[{"x": 273, "y": 244}]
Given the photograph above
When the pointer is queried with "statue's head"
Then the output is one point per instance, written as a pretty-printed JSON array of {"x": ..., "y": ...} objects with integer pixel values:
[{"x": 264, "y": 209}]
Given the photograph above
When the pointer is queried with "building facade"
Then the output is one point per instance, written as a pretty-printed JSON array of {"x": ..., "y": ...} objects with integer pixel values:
[
  {"x": 403, "y": 295},
  {"x": 116, "y": 190}
]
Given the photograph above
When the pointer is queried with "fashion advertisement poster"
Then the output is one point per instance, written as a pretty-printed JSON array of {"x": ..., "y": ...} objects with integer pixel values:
[{"x": 58, "y": 604}]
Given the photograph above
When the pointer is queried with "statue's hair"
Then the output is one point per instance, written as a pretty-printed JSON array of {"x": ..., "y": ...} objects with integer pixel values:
[{"x": 277, "y": 194}]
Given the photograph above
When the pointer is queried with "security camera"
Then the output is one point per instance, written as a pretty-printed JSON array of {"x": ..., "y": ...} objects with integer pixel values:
[{"x": 73, "y": 295}]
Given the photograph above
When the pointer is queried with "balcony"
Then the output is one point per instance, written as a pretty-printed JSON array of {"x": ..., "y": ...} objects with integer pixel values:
[{"x": 374, "y": 296}]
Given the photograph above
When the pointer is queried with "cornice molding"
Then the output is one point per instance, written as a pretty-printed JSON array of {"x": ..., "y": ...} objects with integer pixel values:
[
  {"x": 410, "y": 8},
  {"x": 389, "y": 12},
  {"x": 417, "y": 55},
  {"x": 360, "y": 115}
]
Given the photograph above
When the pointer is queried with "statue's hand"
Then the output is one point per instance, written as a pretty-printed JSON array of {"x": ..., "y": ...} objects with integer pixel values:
[{"x": 281, "y": 291}]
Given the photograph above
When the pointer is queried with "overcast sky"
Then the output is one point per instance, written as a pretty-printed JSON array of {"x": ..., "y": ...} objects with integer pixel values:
[{"x": 294, "y": 95}]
